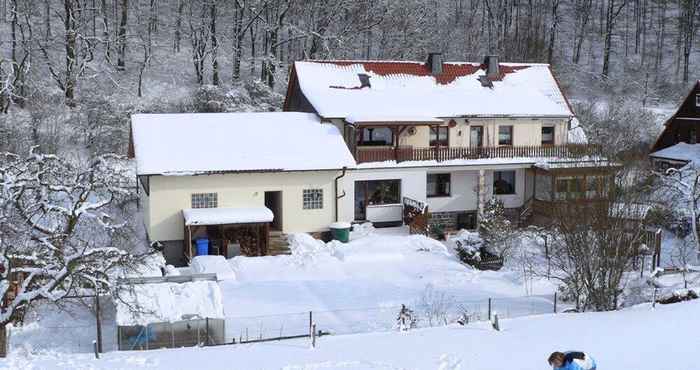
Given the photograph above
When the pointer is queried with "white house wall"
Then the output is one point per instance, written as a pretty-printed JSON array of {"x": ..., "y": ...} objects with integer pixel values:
[
  {"x": 171, "y": 194},
  {"x": 463, "y": 196}
]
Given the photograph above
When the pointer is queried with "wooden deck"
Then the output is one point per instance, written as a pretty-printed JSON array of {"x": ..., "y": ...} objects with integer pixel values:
[{"x": 405, "y": 153}]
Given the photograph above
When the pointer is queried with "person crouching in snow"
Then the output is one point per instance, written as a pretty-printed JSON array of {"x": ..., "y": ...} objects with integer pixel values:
[{"x": 571, "y": 360}]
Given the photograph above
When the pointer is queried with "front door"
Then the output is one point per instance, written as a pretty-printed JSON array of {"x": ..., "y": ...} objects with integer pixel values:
[
  {"x": 476, "y": 136},
  {"x": 273, "y": 201}
]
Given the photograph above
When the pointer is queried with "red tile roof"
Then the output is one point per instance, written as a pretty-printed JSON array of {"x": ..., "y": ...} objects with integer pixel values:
[{"x": 450, "y": 71}]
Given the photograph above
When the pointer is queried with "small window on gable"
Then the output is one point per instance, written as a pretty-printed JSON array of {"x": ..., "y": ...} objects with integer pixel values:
[
  {"x": 205, "y": 200},
  {"x": 697, "y": 101},
  {"x": 313, "y": 198}
]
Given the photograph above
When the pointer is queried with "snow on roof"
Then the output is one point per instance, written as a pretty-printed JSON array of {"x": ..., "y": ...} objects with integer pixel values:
[
  {"x": 169, "y": 302},
  {"x": 586, "y": 162},
  {"x": 680, "y": 152},
  {"x": 408, "y": 89},
  {"x": 191, "y": 143},
  {"x": 362, "y": 117},
  {"x": 222, "y": 216}
]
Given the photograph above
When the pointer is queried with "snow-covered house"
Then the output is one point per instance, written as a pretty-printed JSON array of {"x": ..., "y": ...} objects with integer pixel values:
[
  {"x": 235, "y": 178},
  {"x": 678, "y": 142},
  {"x": 449, "y": 135}
]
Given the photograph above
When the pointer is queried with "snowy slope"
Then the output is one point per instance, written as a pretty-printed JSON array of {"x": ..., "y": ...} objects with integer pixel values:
[{"x": 640, "y": 338}]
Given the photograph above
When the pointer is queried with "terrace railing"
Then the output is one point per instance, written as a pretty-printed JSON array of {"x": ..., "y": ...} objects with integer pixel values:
[{"x": 440, "y": 154}]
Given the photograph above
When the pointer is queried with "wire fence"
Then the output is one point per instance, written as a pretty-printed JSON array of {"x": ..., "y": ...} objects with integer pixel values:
[{"x": 438, "y": 311}]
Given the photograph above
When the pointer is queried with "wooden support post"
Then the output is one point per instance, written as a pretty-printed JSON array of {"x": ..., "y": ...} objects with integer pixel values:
[
  {"x": 94, "y": 347},
  {"x": 555, "y": 302}
]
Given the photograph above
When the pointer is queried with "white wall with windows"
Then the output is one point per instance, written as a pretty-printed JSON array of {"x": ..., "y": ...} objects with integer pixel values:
[
  {"x": 463, "y": 195},
  {"x": 169, "y": 195}
]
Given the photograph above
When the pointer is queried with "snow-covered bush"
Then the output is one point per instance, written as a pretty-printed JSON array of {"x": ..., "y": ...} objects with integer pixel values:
[
  {"x": 495, "y": 229},
  {"x": 248, "y": 96},
  {"x": 680, "y": 295},
  {"x": 468, "y": 246}
]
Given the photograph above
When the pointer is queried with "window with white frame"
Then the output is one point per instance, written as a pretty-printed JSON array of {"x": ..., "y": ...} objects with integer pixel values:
[
  {"x": 313, "y": 198},
  {"x": 205, "y": 200}
]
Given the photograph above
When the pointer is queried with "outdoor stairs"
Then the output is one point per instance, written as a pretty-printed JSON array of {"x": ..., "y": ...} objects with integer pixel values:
[{"x": 278, "y": 244}]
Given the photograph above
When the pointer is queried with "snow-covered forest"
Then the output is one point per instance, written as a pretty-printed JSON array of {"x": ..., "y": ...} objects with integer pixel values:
[{"x": 72, "y": 71}]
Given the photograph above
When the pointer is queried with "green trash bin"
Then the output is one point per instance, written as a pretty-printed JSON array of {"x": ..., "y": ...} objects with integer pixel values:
[{"x": 341, "y": 231}]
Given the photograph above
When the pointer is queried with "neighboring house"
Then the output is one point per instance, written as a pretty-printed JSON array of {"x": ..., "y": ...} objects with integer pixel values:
[
  {"x": 678, "y": 143},
  {"x": 364, "y": 141},
  {"x": 448, "y": 134},
  {"x": 233, "y": 177}
]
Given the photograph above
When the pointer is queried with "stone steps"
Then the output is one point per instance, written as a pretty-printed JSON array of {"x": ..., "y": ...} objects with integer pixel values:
[{"x": 278, "y": 244}]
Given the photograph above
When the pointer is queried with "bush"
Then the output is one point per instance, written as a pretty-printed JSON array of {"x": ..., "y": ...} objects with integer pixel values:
[
  {"x": 468, "y": 246},
  {"x": 494, "y": 228}
]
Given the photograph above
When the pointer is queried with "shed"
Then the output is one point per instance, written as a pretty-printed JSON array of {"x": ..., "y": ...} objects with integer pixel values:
[{"x": 167, "y": 314}]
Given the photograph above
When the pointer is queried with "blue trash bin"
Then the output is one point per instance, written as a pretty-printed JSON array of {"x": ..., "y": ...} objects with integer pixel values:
[{"x": 202, "y": 247}]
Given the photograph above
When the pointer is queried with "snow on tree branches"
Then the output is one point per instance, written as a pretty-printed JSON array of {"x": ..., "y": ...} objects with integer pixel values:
[{"x": 57, "y": 232}]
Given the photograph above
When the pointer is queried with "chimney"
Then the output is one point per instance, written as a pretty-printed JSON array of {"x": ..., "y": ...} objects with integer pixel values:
[
  {"x": 364, "y": 80},
  {"x": 492, "y": 70},
  {"x": 435, "y": 63}
]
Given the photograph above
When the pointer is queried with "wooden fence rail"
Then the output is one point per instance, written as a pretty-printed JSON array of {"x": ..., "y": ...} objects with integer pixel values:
[{"x": 440, "y": 154}]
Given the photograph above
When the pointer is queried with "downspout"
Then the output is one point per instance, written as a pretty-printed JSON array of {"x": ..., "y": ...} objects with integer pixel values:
[{"x": 338, "y": 197}]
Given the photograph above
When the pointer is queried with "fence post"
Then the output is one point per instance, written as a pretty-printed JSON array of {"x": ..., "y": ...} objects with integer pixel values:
[
  {"x": 94, "y": 347},
  {"x": 311, "y": 321},
  {"x": 489, "y": 309},
  {"x": 555, "y": 302},
  {"x": 313, "y": 336},
  {"x": 3, "y": 341}
]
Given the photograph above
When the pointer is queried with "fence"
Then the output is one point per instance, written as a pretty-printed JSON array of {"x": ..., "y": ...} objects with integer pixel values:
[
  {"x": 403, "y": 153},
  {"x": 429, "y": 312},
  {"x": 438, "y": 312}
]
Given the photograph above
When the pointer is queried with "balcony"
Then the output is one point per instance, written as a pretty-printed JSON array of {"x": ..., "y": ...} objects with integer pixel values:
[{"x": 407, "y": 153}]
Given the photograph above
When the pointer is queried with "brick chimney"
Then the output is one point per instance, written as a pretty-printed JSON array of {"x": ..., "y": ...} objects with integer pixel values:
[{"x": 434, "y": 63}]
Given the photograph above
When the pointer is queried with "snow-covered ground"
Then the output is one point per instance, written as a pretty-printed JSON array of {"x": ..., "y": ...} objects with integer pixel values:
[
  {"x": 351, "y": 288},
  {"x": 628, "y": 339}
]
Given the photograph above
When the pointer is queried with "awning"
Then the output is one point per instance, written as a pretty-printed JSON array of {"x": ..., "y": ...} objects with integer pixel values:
[{"x": 224, "y": 216}]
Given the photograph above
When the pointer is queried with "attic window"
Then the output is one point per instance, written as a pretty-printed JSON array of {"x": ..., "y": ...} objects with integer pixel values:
[{"x": 697, "y": 101}]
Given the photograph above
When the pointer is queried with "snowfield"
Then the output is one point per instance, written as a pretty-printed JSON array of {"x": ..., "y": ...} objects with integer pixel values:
[{"x": 627, "y": 339}]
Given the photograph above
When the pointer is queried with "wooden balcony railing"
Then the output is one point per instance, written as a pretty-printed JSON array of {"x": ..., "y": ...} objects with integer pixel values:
[{"x": 406, "y": 153}]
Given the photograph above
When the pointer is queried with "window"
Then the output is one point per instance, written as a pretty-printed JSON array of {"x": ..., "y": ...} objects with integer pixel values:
[
  {"x": 313, "y": 198},
  {"x": 505, "y": 135},
  {"x": 378, "y": 192},
  {"x": 697, "y": 101},
  {"x": 439, "y": 136},
  {"x": 205, "y": 200},
  {"x": 570, "y": 187},
  {"x": 504, "y": 182},
  {"x": 376, "y": 136},
  {"x": 547, "y": 135},
  {"x": 439, "y": 184}
]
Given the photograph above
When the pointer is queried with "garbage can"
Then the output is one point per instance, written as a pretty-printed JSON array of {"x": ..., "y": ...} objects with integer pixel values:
[
  {"x": 202, "y": 247},
  {"x": 341, "y": 231}
]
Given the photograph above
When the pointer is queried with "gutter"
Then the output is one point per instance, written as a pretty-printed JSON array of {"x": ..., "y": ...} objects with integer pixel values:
[{"x": 338, "y": 197}]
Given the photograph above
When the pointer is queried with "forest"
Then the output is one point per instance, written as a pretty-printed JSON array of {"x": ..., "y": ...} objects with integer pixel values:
[{"x": 72, "y": 71}]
